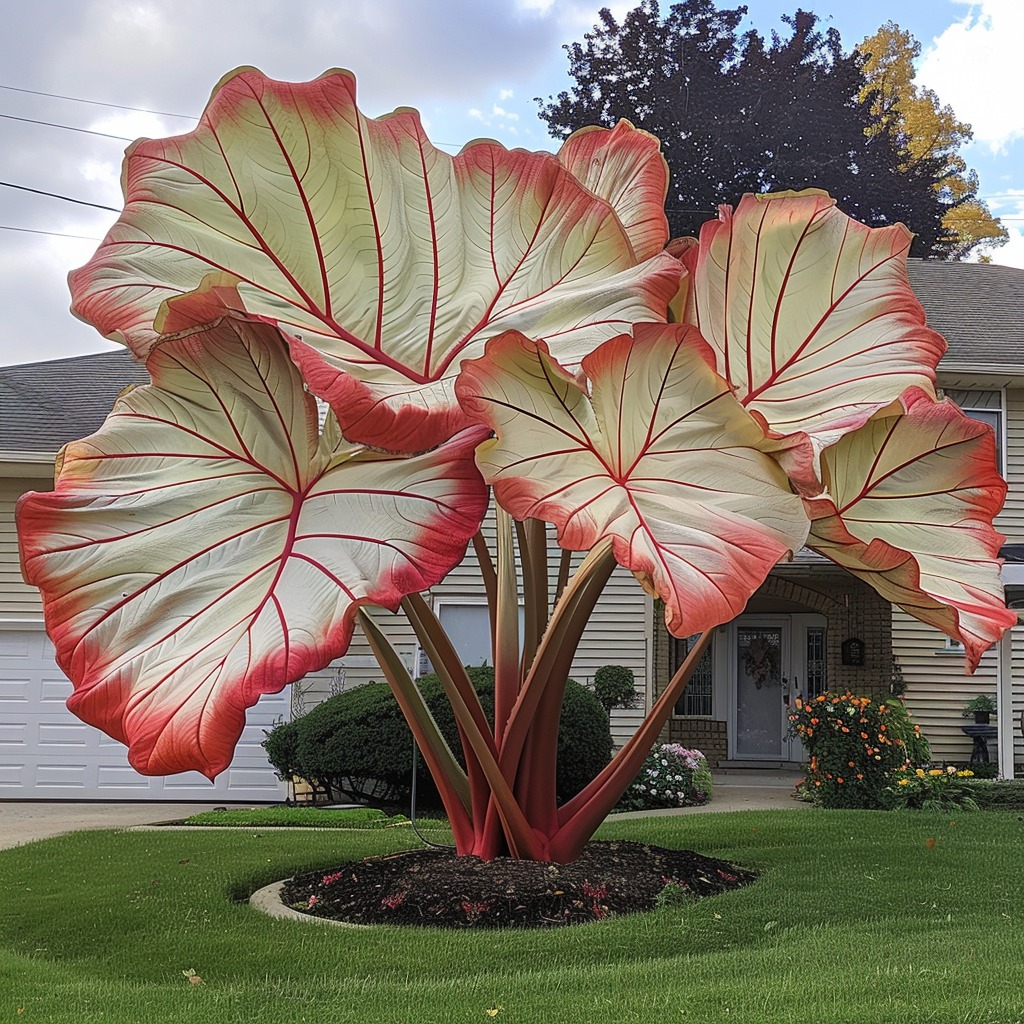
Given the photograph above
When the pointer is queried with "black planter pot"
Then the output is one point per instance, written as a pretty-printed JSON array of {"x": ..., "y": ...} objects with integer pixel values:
[{"x": 981, "y": 717}]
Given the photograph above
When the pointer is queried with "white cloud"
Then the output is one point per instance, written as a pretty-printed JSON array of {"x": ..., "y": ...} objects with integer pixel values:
[
  {"x": 974, "y": 66},
  {"x": 506, "y": 94},
  {"x": 1010, "y": 204}
]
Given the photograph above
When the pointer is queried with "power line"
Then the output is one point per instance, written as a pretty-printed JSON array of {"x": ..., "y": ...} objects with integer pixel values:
[
  {"x": 57, "y": 195},
  {"x": 57, "y": 234},
  {"x": 66, "y": 127},
  {"x": 96, "y": 103}
]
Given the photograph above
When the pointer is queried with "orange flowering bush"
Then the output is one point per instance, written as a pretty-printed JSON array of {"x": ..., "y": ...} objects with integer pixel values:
[{"x": 855, "y": 745}]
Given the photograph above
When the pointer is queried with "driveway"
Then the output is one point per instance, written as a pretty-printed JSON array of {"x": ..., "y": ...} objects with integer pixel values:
[{"x": 24, "y": 821}]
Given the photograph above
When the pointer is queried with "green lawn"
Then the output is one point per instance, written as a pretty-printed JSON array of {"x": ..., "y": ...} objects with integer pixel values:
[{"x": 858, "y": 916}]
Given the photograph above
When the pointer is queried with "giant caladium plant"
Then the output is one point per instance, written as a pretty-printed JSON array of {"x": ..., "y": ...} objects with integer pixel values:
[{"x": 495, "y": 318}]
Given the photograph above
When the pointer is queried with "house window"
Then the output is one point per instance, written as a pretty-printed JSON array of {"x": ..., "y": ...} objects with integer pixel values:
[
  {"x": 986, "y": 407},
  {"x": 817, "y": 679},
  {"x": 696, "y": 699}
]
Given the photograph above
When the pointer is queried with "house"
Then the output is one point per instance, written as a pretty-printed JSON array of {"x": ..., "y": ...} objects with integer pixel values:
[{"x": 811, "y": 626}]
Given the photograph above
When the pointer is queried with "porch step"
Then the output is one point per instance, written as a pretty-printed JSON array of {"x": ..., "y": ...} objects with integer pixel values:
[{"x": 724, "y": 767}]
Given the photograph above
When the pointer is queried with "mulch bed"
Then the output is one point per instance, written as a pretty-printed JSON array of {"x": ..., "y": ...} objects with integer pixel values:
[{"x": 436, "y": 888}]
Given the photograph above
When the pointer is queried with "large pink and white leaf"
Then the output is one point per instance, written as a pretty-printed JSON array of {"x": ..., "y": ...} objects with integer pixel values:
[
  {"x": 911, "y": 499},
  {"x": 659, "y": 456},
  {"x": 207, "y": 545},
  {"x": 810, "y": 314},
  {"x": 384, "y": 260},
  {"x": 624, "y": 166}
]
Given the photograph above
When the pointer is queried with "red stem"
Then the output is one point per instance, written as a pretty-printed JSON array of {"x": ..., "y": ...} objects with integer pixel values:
[{"x": 580, "y": 817}]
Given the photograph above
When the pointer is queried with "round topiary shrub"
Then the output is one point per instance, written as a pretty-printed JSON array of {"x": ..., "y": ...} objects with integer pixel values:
[
  {"x": 614, "y": 687},
  {"x": 358, "y": 744}
]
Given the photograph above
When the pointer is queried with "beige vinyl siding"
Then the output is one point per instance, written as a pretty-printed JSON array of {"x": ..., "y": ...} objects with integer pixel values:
[
  {"x": 18, "y": 601},
  {"x": 937, "y": 687}
]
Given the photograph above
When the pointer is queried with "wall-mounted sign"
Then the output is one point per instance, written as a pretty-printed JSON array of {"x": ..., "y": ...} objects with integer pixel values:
[{"x": 853, "y": 651}]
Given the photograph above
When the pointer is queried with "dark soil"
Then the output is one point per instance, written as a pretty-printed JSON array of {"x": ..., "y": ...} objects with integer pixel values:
[{"x": 436, "y": 888}]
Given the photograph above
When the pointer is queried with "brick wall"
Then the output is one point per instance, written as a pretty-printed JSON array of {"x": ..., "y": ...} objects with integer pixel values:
[
  {"x": 704, "y": 734},
  {"x": 851, "y": 609}
]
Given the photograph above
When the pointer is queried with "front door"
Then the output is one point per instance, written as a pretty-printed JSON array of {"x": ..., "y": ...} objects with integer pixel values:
[{"x": 762, "y": 657}]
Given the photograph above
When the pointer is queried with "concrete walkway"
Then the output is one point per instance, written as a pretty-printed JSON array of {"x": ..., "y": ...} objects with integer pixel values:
[{"x": 24, "y": 821}]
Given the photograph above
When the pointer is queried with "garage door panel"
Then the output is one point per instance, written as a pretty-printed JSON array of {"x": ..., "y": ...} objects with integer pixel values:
[
  {"x": 13, "y": 735},
  {"x": 47, "y": 753},
  {"x": 63, "y": 734},
  {"x": 14, "y": 691},
  {"x": 15, "y": 645},
  {"x": 54, "y": 690},
  {"x": 65, "y": 775}
]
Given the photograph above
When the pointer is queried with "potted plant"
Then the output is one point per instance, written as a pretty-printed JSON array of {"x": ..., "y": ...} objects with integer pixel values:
[{"x": 981, "y": 707}]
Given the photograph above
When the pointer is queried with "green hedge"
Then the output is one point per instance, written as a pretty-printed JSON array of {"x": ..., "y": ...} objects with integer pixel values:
[
  {"x": 359, "y": 746},
  {"x": 998, "y": 795}
]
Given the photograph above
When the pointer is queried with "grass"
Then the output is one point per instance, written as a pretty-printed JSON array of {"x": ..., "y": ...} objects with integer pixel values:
[
  {"x": 309, "y": 817},
  {"x": 858, "y": 916}
]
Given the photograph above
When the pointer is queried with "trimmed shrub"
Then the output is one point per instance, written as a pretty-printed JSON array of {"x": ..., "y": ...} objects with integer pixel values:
[
  {"x": 856, "y": 746},
  {"x": 614, "y": 687},
  {"x": 358, "y": 744},
  {"x": 998, "y": 794},
  {"x": 671, "y": 776},
  {"x": 282, "y": 746}
]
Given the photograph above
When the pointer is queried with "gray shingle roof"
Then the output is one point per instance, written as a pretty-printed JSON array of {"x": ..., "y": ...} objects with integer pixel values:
[
  {"x": 977, "y": 307},
  {"x": 45, "y": 405}
]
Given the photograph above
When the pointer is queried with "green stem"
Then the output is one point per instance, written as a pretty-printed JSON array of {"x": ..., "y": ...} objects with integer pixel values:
[{"x": 452, "y": 783}]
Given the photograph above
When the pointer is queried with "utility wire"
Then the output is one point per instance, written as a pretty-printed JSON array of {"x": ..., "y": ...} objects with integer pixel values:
[
  {"x": 96, "y": 103},
  {"x": 57, "y": 195},
  {"x": 56, "y": 234},
  {"x": 65, "y": 127}
]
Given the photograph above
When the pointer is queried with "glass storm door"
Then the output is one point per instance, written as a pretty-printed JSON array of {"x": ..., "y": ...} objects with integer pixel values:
[{"x": 762, "y": 690}]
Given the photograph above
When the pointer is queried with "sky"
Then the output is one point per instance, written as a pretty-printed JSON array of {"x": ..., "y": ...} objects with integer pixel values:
[{"x": 471, "y": 67}]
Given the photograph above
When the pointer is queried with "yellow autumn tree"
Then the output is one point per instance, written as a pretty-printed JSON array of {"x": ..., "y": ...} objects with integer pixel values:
[{"x": 928, "y": 132}]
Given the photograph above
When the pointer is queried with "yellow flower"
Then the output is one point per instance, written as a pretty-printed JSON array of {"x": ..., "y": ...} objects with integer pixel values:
[
  {"x": 935, "y": 771},
  {"x": 903, "y": 782},
  {"x": 920, "y": 773}
]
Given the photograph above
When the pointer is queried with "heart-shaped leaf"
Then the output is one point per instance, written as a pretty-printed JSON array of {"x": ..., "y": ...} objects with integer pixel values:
[
  {"x": 384, "y": 260},
  {"x": 910, "y": 505},
  {"x": 660, "y": 457},
  {"x": 207, "y": 545},
  {"x": 810, "y": 314}
]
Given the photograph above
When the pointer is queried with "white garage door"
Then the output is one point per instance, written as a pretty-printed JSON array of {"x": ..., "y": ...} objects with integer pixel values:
[{"x": 48, "y": 754}]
